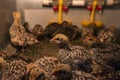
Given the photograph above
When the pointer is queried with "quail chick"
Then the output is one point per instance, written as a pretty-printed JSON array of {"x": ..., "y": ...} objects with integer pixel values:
[
  {"x": 18, "y": 35},
  {"x": 107, "y": 35},
  {"x": 68, "y": 54}
]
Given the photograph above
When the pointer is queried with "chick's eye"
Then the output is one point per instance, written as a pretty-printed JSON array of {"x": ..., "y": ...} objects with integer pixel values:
[
  {"x": 91, "y": 39},
  {"x": 57, "y": 39}
]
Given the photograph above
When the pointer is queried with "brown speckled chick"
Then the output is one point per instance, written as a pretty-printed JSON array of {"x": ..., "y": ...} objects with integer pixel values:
[
  {"x": 64, "y": 72},
  {"x": 48, "y": 64},
  {"x": 18, "y": 35},
  {"x": 15, "y": 56},
  {"x": 34, "y": 72},
  {"x": 13, "y": 70},
  {"x": 68, "y": 54},
  {"x": 90, "y": 40},
  {"x": 88, "y": 30},
  {"x": 54, "y": 69},
  {"x": 106, "y": 57},
  {"x": 38, "y": 30},
  {"x": 19, "y": 70},
  {"x": 79, "y": 75},
  {"x": 107, "y": 35},
  {"x": 17, "y": 67}
]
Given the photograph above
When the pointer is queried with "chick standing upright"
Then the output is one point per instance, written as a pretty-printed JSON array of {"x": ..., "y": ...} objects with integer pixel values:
[{"x": 18, "y": 35}]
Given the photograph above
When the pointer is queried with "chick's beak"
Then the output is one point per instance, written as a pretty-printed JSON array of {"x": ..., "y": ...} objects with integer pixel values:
[
  {"x": 52, "y": 41},
  {"x": 27, "y": 71},
  {"x": 29, "y": 67}
]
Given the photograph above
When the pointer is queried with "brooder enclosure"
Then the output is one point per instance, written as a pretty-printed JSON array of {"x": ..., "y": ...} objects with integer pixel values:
[{"x": 59, "y": 40}]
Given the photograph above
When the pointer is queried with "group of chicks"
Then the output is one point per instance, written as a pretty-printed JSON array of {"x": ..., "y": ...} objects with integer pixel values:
[
  {"x": 17, "y": 67},
  {"x": 72, "y": 63},
  {"x": 101, "y": 61},
  {"x": 21, "y": 36},
  {"x": 101, "y": 34}
]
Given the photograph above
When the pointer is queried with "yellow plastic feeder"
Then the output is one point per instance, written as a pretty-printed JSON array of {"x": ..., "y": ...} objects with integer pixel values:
[
  {"x": 92, "y": 18},
  {"x": 60, "y": 11},
  {"x": 60, "y": 4}
]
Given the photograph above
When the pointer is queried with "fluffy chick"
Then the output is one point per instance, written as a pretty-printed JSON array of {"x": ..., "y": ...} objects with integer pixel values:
[
  {"x": 34, "y": 72},
  {"x": 38, "y": 31},
  {"x": 48, "y": 64},
  {"x": 68, "y": 54},
  {"x": 13, "y": 70},
  {"x": 107, "y": 35},
  {"x": 62, "y": 72},
  {"x": 18, "y": 35}
]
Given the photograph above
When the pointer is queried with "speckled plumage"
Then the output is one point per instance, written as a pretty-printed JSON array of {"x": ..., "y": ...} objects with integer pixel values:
[
  {"x": 77, "y": 52},
  {"x": 18, "y": 34},
  {"x": 79, "y": 58},
  {"x": 105, "y": 57},
  {"x": 110, "y": 53},
  {"x": 13, "y": 70},
  {"x": 37, "y": 30},
  {"x": 48, "y": 64},
  {"x": 86, "y": 31},
  {"x": 107, "y": 35},
  {"x": 68, "y": 53},
  {"x": 79, "y": 75}
]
